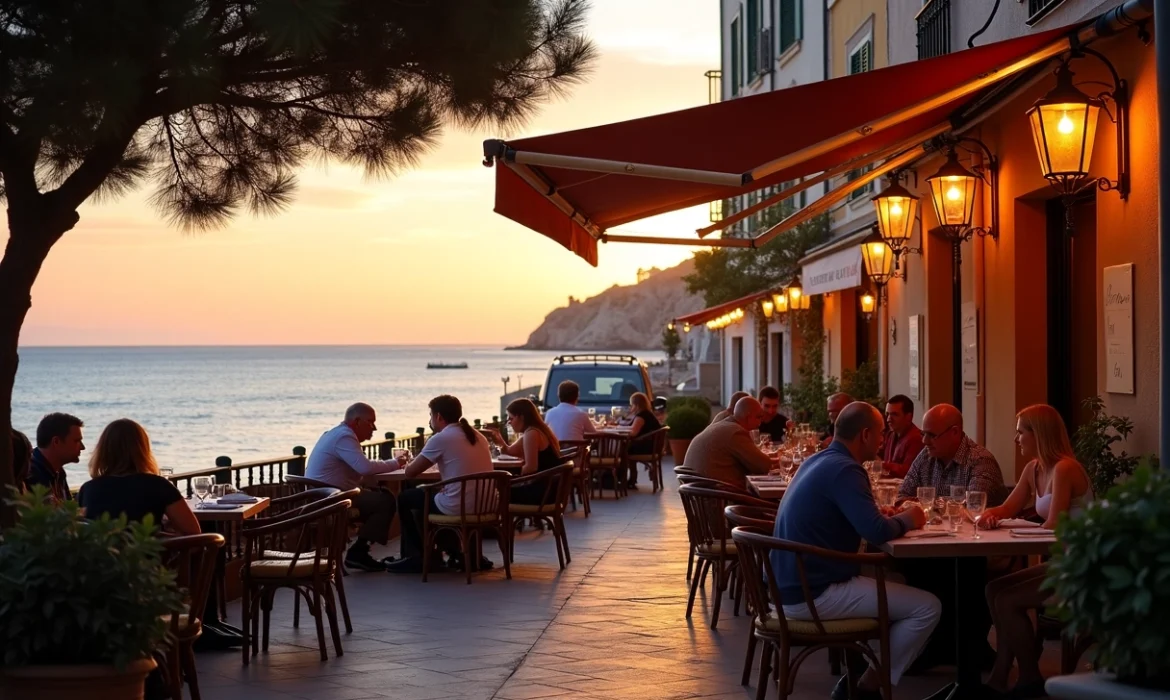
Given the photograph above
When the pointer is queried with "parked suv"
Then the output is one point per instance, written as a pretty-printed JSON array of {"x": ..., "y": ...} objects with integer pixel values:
[{"x": 605, "y": 380}]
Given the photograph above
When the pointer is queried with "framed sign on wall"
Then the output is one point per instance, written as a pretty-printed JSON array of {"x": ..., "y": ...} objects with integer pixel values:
[
  {"x": 1117, "y": 287},
  {"x": 914, "y": 331}
]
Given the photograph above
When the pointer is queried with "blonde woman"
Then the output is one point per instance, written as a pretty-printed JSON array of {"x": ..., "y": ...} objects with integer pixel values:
[
  {"x": 125, "y": 481},
  {"x": 1055, "y": 482}
]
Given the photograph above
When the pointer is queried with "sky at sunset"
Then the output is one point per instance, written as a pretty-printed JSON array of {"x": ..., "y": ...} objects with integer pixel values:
[{"x": 419, "y": 259}]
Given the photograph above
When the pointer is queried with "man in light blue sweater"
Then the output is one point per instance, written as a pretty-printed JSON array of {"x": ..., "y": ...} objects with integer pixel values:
[{"x": 830, "y": 504}]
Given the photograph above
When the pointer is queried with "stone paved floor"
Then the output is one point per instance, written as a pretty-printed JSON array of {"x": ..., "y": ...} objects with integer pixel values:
[{"x": 611, "y": 625}]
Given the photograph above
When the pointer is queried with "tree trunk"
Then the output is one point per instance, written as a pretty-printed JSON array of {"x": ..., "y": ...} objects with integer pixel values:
[{"x": 33, "y": 227}]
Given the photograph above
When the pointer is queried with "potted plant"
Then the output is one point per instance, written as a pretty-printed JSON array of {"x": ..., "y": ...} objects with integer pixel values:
[
  {"x": 1094, "y": 444},
  {"x": 685, "y": 421},
  {"x": 83, "y": 605},
  {"x": 1110, "y": 575}
]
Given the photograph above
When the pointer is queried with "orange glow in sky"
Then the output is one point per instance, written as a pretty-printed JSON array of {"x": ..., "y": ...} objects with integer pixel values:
[{"x": 419, "y": 259}]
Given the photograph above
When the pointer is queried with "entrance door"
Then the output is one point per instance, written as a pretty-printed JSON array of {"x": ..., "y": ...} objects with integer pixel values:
[
  {"x": 737, "y": 364},
  {"x": 1072, "y": 303},
  {"x": 777, "y": 362}
]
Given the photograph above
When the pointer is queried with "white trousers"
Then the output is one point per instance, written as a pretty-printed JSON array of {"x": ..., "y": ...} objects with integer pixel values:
[{"x": 914, "y": 614}]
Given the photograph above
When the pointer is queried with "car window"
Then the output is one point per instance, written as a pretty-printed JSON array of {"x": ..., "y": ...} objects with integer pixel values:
[{"x": 599, "y": 385}]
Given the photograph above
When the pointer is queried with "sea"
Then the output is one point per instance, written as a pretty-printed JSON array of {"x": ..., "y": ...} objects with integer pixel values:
[{"x": 251, "y": 402}]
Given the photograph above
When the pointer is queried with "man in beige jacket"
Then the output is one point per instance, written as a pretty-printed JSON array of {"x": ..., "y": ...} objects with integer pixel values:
[{"x": 724, "y": 450}]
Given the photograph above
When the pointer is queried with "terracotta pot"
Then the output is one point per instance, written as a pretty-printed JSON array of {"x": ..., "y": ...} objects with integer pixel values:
[
  {"x": 93, "y": 682},
  {"x": 678, "y": 450}
]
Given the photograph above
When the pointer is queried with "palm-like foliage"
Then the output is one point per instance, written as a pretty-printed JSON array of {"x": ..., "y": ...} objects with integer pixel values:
[{"x": 219, "y": 101}]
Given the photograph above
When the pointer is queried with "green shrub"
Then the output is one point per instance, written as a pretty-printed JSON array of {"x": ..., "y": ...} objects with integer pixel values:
[
  {"x": 80, "y": 592},
  {"x": 686, "y": 422},
  {"x": 697, "y": 402},
  {"x": 1111, "y": 576},
  {"x": 1094, "y": 445}
]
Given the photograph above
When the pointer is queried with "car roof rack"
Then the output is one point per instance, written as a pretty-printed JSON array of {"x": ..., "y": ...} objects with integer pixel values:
[{"x": 595, "y": 358}]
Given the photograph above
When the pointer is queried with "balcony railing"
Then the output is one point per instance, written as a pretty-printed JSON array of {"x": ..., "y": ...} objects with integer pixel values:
[
  {"x": 934, "y": 29},
  {"x": 1038, "y": 9}
]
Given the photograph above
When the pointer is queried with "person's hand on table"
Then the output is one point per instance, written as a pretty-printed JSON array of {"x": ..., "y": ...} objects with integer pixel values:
[
  {"x": 917, "y": 516},
  {"x": 990, "y": 518}
]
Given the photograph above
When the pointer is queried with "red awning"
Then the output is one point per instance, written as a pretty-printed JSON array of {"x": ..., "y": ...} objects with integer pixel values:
[
  {"x": 733, "y": 138},
  {"x": 719, "y": 309}
]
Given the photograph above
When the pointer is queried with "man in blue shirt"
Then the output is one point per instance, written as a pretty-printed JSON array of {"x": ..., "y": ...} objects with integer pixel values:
[{"x": 830, "y": 504}]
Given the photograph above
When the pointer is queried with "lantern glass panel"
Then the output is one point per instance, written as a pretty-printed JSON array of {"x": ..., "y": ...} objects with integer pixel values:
[
  {"x": 896, "y": 210},
  {"x": 879, "y": 260},
  {"x": 1064, "y": 136},
  {"x": 794, "y": 294},
  {"x": 954, "y": 199},
  {"x": 780, "y": 301},
  {"x": 867, "y": 303}
]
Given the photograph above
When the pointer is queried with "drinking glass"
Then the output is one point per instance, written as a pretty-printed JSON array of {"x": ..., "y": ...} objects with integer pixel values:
[
  {"x": 926, "y": 500},
  {"x": 765, "y": 443},
  {"x": 166, "y": 472},
  {"x": 954, "y": 514},
  {"x": 592, "y": 413},
  {"x": 887, "y": 496},
  {"x": 220, "y": 490},
  {"x": 959, "y": 494},
  {"x": 202, "y": 486},
  {"x": 874, "y": 468},
  {"x": 615, "y": 412},
  {"x": 976, "y": 502},
  {"x": 755, "y": 437},
  {"x": 794, "y": 464},
  {"x": 402, "y": 453}
]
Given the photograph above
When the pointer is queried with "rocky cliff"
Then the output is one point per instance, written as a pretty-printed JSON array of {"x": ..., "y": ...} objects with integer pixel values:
[{"x": 629, "y": 317}]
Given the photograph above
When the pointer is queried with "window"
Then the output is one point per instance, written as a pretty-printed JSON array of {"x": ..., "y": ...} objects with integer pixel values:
[
  {"x": 1038, "y": 9},
  {"x": 753, "y": 39},
  {"x": 864, "y": 189},
  {"x": 861, "y": 57},
  {"x": 599, "y": 385},
  {"x": 736, "y": 78},
  {"x": 716, "y": 210},
  {"x": 790, "y": 23}
]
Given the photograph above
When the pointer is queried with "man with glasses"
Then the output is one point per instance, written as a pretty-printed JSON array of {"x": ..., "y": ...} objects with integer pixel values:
[
  {"x": 950, "y": 458},
  {"x": 338, "y": 460}
]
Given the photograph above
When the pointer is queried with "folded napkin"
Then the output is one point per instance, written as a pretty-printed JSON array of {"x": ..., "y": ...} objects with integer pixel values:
[
  {"x": 218, "y": 506},
  {"x": 238, "y": 498},
  {"x": 1008, "y": 523},
  {"x": 923, "y": 534},
  {"x": 1032, "y": 532}
]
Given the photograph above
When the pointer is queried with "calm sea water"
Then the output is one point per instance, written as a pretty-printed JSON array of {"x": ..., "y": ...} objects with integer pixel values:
[{"x": 252, "y": 402}]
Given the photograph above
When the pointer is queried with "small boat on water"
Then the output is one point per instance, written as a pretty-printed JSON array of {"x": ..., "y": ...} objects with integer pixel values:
[{"x": 446, "y": 365}]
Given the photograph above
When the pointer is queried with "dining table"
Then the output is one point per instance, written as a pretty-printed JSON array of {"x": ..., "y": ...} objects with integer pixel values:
[
  {"x": 215, "y": 517},
  {"x": 968, "y": 555},
  {"x": 767, "y": 486}
]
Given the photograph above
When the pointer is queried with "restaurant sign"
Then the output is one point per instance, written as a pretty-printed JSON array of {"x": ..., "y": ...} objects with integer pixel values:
[
  {"x": 840, "y": 270},
  {"x": 1118, "y": 302}
]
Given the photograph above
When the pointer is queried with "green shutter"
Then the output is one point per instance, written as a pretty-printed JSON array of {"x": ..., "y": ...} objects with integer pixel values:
[{"x": 735, "y": 57}]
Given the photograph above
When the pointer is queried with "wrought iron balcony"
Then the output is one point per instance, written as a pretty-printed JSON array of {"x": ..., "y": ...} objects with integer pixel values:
[{"x": 934, "y": 29}]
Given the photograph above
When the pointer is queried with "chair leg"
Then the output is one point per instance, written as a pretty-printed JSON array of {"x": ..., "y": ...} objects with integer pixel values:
[
  {"x": 174, "y": 672},
  {"x": 245, "y": 618},
  {"x": 765, "y": 672},
  {"x": 296, "y": 611},
  {"x": 467, "y": 553},
  {"x": 187, "y": 658},
  {"x": 318, "y": 615},
  {"x": 428, "y": 545},
  {"x": 749, "y": 658},
  {"x": 266, "y": 608},
  {"x": 344, "y": 604},
  {"x": 835, "y": 661},
  {"x": 559, "y": 523},
  {"x": 784, "y": 682},
  {"x": 695, "y": 582},
  {"x": 510, "y": 537},
  {"x": 691, "y": 563},
  {"x": 331, "y": 611},
  {"x": 720, "y": 580}
]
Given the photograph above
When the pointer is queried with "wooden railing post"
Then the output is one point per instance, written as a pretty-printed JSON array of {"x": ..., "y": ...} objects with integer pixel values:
[
  {"x": 420, "y": 441},
  {"x": 478, "y": 424},
  {"x": 296, "y": 467},
  {"x": 223, "y": 474},
  {"x": 385, "y": 449}
]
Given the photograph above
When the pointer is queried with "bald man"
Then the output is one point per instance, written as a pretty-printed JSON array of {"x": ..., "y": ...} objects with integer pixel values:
[
  {"x": 338, "y": 460},
  {"x": 830, "y": 505},
  {"x": 950, "y": 458},
  {"x": 724, "y": 451},
  {"x": 726, "y": 413},
  {"x": 835, "y": 404}
]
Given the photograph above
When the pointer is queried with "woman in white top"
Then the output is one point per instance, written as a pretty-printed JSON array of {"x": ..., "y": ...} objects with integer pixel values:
[{"x": 1056, "y": 483}]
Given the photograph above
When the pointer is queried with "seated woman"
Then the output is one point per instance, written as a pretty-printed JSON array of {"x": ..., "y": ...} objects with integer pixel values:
[
  {"x": 642, "y": 422},
  {"x": 537, "y": 446},
  {"x": 1056, "y": 483},
  {"x": 21, "y": 458},
  {"x": 125, "y": 481}
]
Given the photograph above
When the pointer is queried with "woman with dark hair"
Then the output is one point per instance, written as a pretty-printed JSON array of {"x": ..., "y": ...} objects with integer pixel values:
[
  {"x": 21, "y": 458},
  {"x": 125, "y": 481},
  {"x": 537, "y": 446},
  {"x": 458, "y": 450},
  {"x": 642, "y": 421}
]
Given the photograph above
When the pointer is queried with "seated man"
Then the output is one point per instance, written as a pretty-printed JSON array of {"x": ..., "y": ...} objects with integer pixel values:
[
  {"x": 566, "y": 420},
  {"x": 835, "y": 404},
  {"x": 775, "y": 423},
  {"x": 903, "y": 438},
  {"x": 724, "y": 451},
  {"x": 459, "y": 450},
  {"x": 58, "y": 443},
  {"x": 338, "y": 460},
  {"x": 726, "y": 413},
  {"x": 830, "y": 505},
  {"x": 950, "y": 458}
]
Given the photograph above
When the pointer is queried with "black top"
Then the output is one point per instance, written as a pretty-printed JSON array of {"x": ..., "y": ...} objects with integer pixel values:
[
  {"x": 548, "y": 458},
  {"x": 40, "y": 472},
  {"x": 136, "y": 495},
  {"x": 775, "y": 428},
  {"x": 640, "y": 445}
]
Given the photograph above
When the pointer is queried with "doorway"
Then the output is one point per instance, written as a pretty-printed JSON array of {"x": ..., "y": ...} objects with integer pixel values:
[
  {"x": 777, "y": 362},
  {"x": 737, "y": 364},
  {"x": 1072, "y": 303}
]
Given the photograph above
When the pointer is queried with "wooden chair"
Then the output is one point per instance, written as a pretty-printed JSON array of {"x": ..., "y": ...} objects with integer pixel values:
[
  {"x": 582, "y": 485},
  {"x": 709, "y": 537},
  {"x": 690, "y": 475},
  {"x": 609, "y": 457},
  {"x": 483, "y": 505},
  {"x": 192, "y": 558},
  {"x": 309, "y": 572},
  {"x": 758, "y": 517},
  {"x": 558, "y": 482},
  {"x": 780, "y": 635},
  {"x": 653, "y": 459}
]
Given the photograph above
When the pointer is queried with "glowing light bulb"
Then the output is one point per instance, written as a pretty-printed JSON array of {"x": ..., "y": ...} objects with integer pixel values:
[
  {"x": 895, "y": 209},
  {"x": 1065, "y": 125},
  {"x": 954, "y": 194}
]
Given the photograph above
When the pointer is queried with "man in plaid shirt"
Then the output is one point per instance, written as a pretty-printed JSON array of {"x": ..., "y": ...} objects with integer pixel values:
[{"x": 952, "y": 459}]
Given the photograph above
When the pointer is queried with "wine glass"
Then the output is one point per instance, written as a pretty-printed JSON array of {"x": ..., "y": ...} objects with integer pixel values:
[
  {"x": 874, "y": 468},
  {"x": 959, "y": 494},
  {"x": 926, "y": 500},
  {"x": 202, "y": 486},
  {"x": 794, "y": 464},
  {"x": 976, "y": 502},
  {"x": 592, "y": 411},
  {"x": 954, "y": 514}
]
